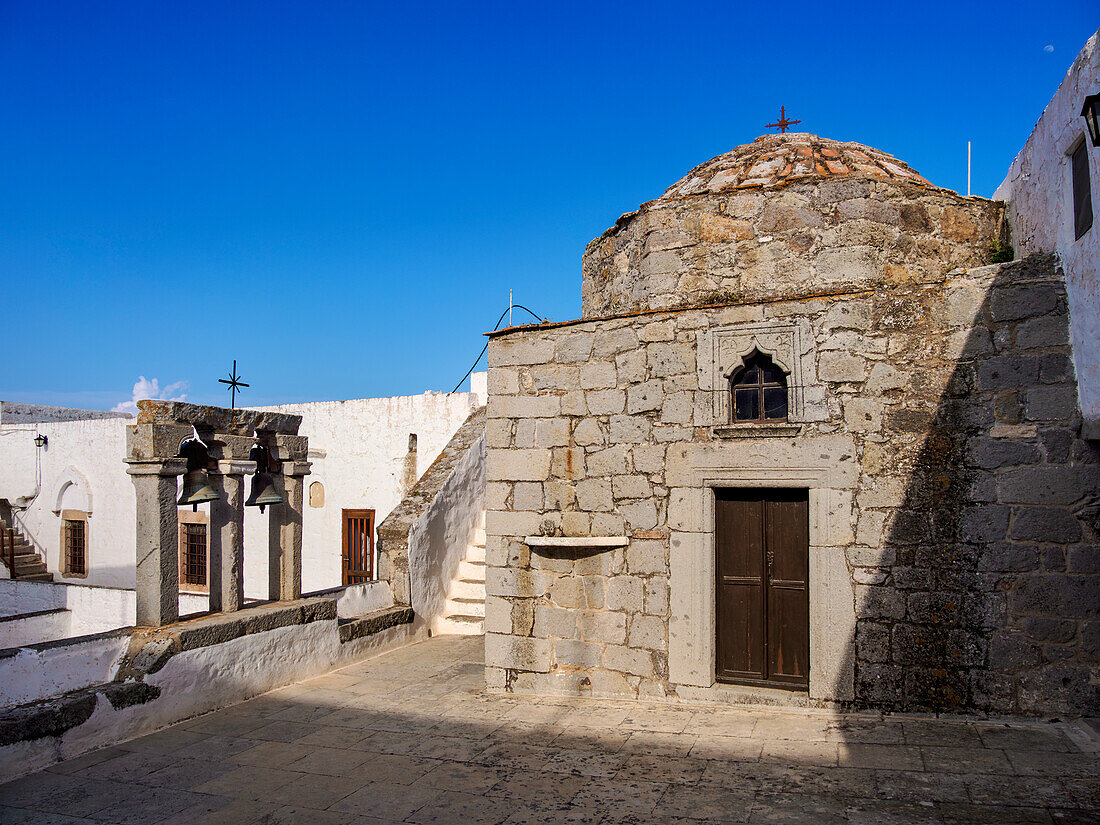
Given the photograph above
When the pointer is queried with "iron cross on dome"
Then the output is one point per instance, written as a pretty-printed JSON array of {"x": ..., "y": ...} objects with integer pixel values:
[
  {"x": 235, "y": 383},
  {"x": 782, "y": 124}
]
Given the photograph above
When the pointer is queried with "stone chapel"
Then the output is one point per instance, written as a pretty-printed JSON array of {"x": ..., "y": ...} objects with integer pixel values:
[{"x": 807, "y": 444}]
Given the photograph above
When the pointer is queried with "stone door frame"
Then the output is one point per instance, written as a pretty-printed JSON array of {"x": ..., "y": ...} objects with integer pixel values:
[{"x": 692, "y": 654}]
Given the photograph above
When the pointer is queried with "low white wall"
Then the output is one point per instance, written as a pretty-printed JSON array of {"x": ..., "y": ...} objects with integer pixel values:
[
  {"x": 358, "y": 450},
  {"x": 39, "y": 673},
  {"x": 31, "y": 628},
  {"x": 1038, "y": 191},
  {"x": 438, "y": 539},
  {"x": 357, "y": 599},
  {"x": 191, "y": 683},
  {"x": 90, "y": 609}
]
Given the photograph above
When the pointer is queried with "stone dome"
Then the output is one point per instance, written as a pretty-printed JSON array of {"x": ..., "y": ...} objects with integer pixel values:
[
  {"x": 771, "y": 161},
  {"x": 787, "y": 215}
]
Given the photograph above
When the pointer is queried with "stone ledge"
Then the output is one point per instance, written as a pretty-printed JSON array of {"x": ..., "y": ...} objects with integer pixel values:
[
  {"x": 375, "y": 622},
  {"x": 580, "y": 542},
  {"x": 151, "y": 648},
  {"x": 54, "y": 716},
  {"x": 783, "y": 430},
  {"x": 1090, "y": 429},
  {"x": 32, "y": 614}
]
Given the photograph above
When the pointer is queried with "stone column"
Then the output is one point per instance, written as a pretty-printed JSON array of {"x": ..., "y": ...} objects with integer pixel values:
[
  {"x": 284, "y": 565},
  {"x": 227, "y": 535},
  {"x": 157, "y": 532}
]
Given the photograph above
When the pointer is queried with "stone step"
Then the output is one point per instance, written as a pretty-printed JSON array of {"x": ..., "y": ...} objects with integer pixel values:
[
  {"x": 464, "y": 607},
  {"x": 464, "y": 589},
  {"x": 475, "y": 553},
  {"x": 471, "y": 571},
  {"x": 37, "y": 577},
  {"x": 478, "y": 538},
  {"x": 460, "y": 626}
]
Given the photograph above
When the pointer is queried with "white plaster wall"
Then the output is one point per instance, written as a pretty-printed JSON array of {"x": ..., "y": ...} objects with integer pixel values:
[
  {"x": 359, "y": 449},
  {"x": 438, "y": 539},
  {"x": 81, "y": 467},
  {"x": 1039, "y": 192}
]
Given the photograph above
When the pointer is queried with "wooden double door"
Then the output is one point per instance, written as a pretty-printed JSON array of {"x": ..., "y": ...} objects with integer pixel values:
[{"x": 761, "y": 540}]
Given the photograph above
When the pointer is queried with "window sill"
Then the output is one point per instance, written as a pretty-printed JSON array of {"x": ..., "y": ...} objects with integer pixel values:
[{"x": 780, "y": 429}]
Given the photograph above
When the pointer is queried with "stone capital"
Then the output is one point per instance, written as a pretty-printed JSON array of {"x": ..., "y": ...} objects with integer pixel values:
[
  {"x": 234, "y": 467},
  {"x": 289, "y": 447},
  {"x": 157, "y": 467},
  {"x": 296, "y": 468}
]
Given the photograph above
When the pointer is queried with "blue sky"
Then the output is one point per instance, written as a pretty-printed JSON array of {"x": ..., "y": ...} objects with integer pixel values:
[{"x": 340, "y": 195}]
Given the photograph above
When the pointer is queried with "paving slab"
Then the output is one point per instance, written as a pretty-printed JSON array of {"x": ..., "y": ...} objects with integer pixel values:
[{"x": 413, "y": 737}]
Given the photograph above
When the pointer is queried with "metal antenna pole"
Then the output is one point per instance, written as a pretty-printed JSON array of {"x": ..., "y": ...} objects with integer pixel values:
[
  {"x": 968, "y": 168},
  {"x": 509, "y": 307}
]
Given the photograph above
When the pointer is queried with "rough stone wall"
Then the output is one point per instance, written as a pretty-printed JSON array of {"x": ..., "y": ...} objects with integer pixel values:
[
  {"x": 1038, "y": 191},
  {"x": 969, "y": 531},
  {"x": 840, "y": 234}
]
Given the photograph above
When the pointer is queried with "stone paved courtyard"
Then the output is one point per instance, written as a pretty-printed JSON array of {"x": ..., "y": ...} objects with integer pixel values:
[{"x": 412, "y": 737}]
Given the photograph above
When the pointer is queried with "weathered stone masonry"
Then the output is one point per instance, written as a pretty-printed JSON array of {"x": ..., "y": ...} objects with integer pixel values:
[{"x": 961, "y": 504}]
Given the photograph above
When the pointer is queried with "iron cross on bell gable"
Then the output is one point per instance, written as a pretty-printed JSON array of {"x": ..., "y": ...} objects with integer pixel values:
[
  {"x": 782, "y": 124},
  {"x": 235, "y": 383}
]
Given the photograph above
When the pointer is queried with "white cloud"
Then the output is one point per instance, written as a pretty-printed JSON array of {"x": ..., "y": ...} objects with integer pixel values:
[
  {"x": 151, "y": 388},
  {"x": 1048, "y": 48}
]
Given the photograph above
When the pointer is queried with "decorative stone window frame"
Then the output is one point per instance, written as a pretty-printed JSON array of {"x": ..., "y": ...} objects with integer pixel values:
[
  {"x": 192, "y": 517},
  {"x": 692, "y": 654},
  {"x": 63, "y": 562},
  {"x": 722, "y": 351}
]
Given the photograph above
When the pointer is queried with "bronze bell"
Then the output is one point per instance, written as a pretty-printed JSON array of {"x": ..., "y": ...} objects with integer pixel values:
[
  {"x": 196, "y": 482},
  {"x": 196, "y": 489},
  {"x": 263, "y": 486}
]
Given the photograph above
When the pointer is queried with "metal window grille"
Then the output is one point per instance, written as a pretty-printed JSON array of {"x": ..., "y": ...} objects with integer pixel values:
[
  {"x": 76, "y": 547},
  {"x": 193, "y": 569}
]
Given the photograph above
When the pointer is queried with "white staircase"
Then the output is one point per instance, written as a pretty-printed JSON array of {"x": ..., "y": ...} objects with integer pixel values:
[{"x": 464, "y": 612}]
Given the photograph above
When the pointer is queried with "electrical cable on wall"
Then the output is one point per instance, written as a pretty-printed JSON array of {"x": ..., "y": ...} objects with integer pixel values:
[{"x": 486, "y": 347}]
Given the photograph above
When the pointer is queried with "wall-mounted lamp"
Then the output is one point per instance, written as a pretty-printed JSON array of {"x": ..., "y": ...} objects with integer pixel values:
[
  {"x": 41, "y": 440},
  {"x": 1091, "y": 113}
]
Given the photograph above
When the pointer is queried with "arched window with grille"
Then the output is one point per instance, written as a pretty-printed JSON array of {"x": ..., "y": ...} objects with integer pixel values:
[{"x": 759, "y": 390}]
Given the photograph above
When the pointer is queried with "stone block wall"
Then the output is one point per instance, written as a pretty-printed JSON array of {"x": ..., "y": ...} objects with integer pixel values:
[
  {"x": 840, "y": 234},
  {"x": 956, "y": 504}
]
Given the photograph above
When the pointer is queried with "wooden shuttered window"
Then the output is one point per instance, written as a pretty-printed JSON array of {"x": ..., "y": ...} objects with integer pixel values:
[
  {"x": 1082, "y": 191},
  {"x": 358, "y": 552}
]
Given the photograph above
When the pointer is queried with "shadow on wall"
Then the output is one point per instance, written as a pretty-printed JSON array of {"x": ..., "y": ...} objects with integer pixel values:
[{"x": 989, "y": 595}]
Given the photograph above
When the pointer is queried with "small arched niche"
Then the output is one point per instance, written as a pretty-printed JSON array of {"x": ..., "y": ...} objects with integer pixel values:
[{"x": 316, "y": 494}]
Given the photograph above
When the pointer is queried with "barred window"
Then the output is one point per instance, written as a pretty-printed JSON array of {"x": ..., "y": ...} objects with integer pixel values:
[
  {"x": 759, "y": 390},
  {"x": 194, "y": 555},
  {"x": 75, "y": 546},
  {"x": 194, "y": 558}
]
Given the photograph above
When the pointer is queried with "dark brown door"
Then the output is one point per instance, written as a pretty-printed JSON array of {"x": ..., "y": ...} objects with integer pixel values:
[
  {"x": 762, "y": 549},
  {"x": 358, "y": 546}
]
